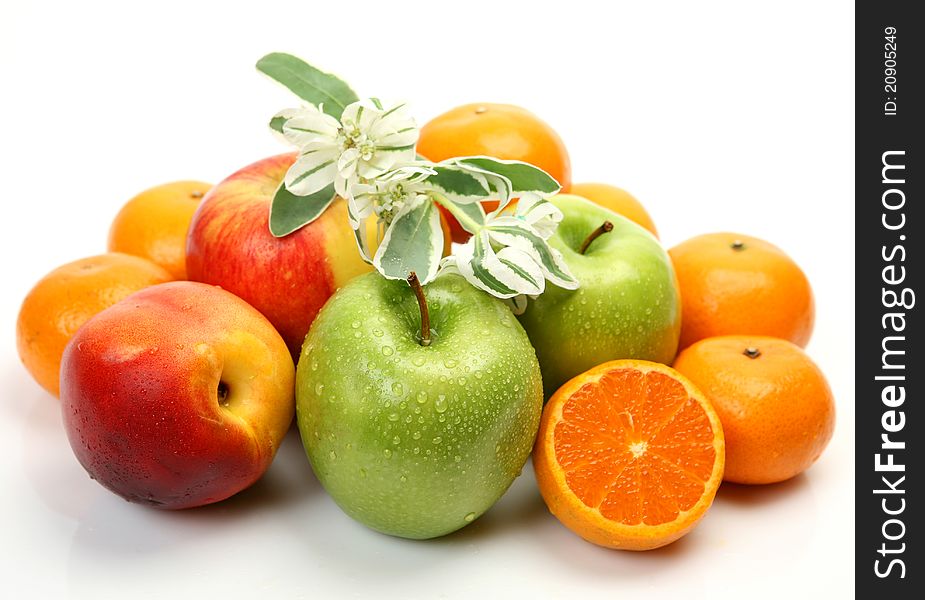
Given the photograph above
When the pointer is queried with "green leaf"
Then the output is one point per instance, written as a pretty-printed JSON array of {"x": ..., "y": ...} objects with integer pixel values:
[
  {"x": 524, "y": 177},
  {"x": 308, "y": 83},
  {"x": 413, "y": 242},
  {"x": 289, "y": 212},
  {"x": 459, "y": 185},
  {"x": 276, "y": 123}
]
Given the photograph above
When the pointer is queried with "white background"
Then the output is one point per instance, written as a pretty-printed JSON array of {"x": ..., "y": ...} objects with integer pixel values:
[{"x": 718, "y": 116}]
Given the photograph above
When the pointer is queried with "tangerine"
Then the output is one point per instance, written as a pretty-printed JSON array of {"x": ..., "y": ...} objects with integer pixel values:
[
  {"x": 503, "y": 131},
  {"x": 618, "y": 200},
  {"x": 629, "y": 455},
  {"x": 736, "y": 284},
  {"x": 775, "y": 405},
  {"x": 154, "y": 224},
  {"x": 66, "y": 298}
]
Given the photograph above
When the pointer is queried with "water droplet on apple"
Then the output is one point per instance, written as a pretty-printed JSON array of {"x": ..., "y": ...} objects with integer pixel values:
[
  {"x": 397, "y": 388},
  {"x": 387, "y": 452},
  {"x": 396, "y": 440},
  {"x": 469, "y": 517},
  {"x": 416, "y": 435},
  {"x": 440, "y": 404},
  {"x": 403, "y": 479},
  {"x": 378, "y": 332},
  {"x": 393, "y": 416},
  {"x": 450, "y": 363},
  {"x": 387, "y": 350},
  {"x": 333, "y": 455},
  {"x": 418, "y": 361},
  {"x": 457, "y": 458},
  {"x": 355, "y": 324},
  {"x": 437, "y": 440}
]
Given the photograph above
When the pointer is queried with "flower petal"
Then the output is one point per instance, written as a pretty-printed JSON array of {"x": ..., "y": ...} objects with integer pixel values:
[
  {"x": 308, "y": 125},
  {"x": 361, "y": 114},
  {"x": 311, "y": 172},
  {"x": 347, "y": 163}
]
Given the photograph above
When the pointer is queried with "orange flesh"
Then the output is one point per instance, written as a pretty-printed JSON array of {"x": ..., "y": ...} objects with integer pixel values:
[{"x": 635, "y": 446}]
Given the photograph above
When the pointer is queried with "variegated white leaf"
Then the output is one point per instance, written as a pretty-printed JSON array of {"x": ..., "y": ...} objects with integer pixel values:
[
  {"x": 499, "y": 186},
  {"x": 459, "y": 185},
  {"x": 518, "y": 304},
  {"x": 523, "y": 177},
  {"x": 412, "y": 242},
  {"x": 539, "y": 213},
  {"x": 358, "y": 223},
  {"x": 510, "y": 231},
  {"x": 504, "y": 274}
]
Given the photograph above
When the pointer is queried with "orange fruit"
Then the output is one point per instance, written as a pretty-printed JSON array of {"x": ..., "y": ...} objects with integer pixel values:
[
  {"x": 447, "y": 235},
  {"x": 776, "y": 407},
  {"x": 736, "y": 284},
  {"x": 66, "y": 298},
  {"x": 616, "y": 199},
  {"x": 154, "y": 223},
  {"x": 499, "y": 130},
  {"x": 629, "y": 455}
]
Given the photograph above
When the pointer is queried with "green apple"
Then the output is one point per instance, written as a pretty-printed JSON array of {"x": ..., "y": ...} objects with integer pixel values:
[
  {"x": 627, "y": 305},
  {"x": 416, "y": 440}
]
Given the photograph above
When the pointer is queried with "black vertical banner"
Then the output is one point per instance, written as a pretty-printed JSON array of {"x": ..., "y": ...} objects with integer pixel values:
[{"x": 890, "y": 362}]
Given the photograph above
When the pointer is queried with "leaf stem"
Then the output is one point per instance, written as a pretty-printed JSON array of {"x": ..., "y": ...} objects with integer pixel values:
[
  {"x": 458, "y": 214},
  {"x": 605, "y": 227},
  {"x": 422, "y": 304}
]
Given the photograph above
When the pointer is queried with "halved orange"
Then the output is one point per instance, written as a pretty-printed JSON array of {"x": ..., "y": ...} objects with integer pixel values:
[{"x": 629, "y": 455}]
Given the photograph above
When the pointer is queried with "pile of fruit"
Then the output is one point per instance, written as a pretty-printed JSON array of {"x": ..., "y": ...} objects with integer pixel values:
[{"x": 640, "y": 379}]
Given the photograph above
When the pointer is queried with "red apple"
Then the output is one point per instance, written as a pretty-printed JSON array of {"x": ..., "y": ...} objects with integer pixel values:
[
  {"x": 288, "y": 279},
  {"x": 177, "y": 396}
]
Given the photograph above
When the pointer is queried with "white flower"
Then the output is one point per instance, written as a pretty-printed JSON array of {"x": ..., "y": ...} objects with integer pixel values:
[
  {"x": 367, "y": 141},
  {"x": 387, "y": 193}
]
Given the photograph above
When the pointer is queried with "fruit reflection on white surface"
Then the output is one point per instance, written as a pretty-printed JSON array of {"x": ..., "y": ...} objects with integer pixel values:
[{"x": 286, "y": 524}]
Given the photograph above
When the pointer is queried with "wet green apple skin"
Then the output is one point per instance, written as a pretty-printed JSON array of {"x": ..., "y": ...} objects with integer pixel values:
[
  {"x": 627, "y": 305},
  {"x": 409, "y": 440}
]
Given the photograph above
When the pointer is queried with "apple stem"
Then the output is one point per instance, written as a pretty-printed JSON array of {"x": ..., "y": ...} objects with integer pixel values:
[
  {"x": 606, "y": 227},
  {"x": 422, "y": 304}
]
